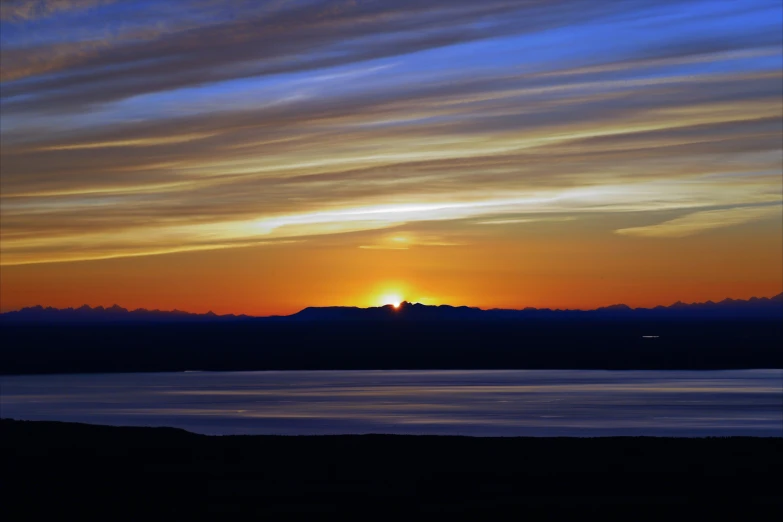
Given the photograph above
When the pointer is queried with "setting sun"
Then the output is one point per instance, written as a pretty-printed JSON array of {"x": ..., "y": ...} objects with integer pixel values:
[{"x": 391, "y": 299}]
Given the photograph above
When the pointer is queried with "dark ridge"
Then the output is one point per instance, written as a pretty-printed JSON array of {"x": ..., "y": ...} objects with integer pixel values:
[
  {"x": 113, "y": 314},
  {"x": 707, "y": 336},
  {"x": 755, "y": 307},
  {"x": 56, "y": 470}
]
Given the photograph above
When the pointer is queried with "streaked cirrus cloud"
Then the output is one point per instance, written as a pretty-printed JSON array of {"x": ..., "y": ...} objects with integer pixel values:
[
  {"x": 698, "y": 222},
  {"x": 138, "y": 128}
]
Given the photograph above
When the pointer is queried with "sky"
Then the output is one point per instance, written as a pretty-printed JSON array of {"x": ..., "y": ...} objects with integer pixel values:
[{"x": 260, "y": 157}]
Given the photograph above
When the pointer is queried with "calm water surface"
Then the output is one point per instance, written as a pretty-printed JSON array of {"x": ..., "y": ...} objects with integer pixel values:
[{"x": 487, "y": 403}]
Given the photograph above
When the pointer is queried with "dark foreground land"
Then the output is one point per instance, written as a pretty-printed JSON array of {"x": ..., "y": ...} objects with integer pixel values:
[{"x": 62, "y": 469}]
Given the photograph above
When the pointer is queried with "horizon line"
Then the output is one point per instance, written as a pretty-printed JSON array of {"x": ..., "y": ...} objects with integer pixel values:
[{"x": 387, "y": 305}]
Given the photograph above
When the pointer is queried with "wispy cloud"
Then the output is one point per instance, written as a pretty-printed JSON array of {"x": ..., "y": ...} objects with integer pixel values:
[
  {"x": 515, "y": 221},
  {"x": 24, "y": 10},
  {"x": 698, "y": 222},
  {"x": 404, "y": 240}
]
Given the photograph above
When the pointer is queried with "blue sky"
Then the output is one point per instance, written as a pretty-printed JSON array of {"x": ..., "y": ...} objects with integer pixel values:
[{"x": 731, "y": 36}]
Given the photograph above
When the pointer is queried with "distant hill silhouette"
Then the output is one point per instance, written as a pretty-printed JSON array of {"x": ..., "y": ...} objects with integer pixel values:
[
  {"x": 754, "y": 307},
  {"x": 116, "y": 313},
  {"x": 731, "y": 334},
  {"x": 761, "y": 307}
]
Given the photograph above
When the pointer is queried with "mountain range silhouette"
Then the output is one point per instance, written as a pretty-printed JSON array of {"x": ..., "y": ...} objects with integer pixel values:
[
  {"x": 762, "y": 307},
  {"x": 731, "y": 334}
]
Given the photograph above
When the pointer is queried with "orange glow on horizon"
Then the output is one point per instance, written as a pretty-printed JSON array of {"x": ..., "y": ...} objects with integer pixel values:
[{"x": 549, "y": 265}]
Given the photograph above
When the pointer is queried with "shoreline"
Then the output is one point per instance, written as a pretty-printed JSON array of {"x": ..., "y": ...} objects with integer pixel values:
[{"x": 99, "y": 429}]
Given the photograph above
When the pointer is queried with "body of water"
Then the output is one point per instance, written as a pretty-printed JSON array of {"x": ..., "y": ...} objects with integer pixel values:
[{"x": 471, "y": 402}]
